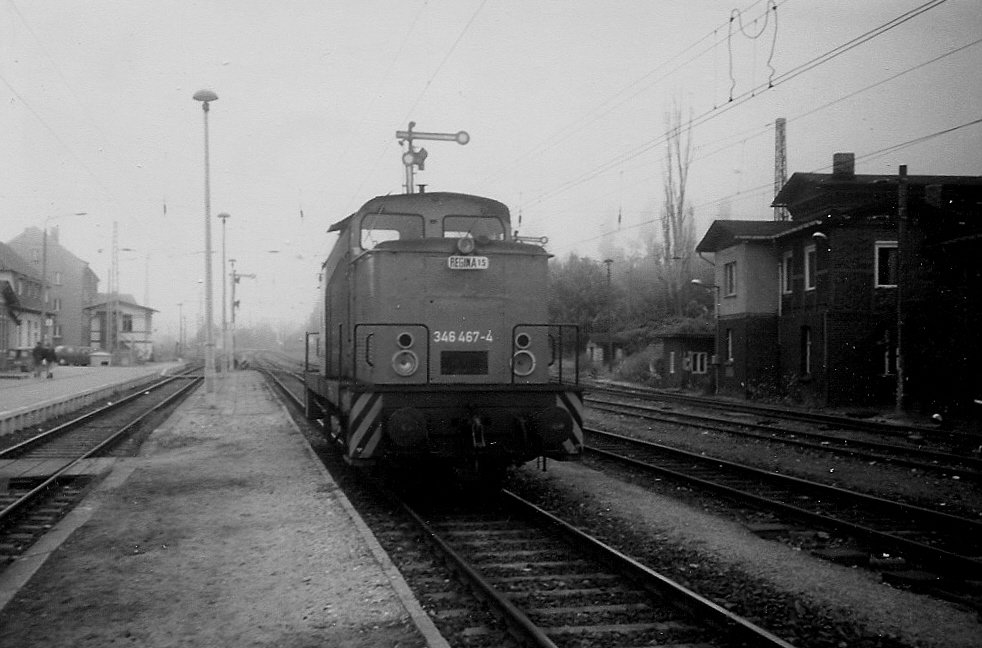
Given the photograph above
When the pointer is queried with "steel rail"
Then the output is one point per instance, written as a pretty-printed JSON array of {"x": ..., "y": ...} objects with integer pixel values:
[
  {"x": 7, "y": 513},
  {"x": 951, "y": 563},
  {"x": 67, "y": 426},
  {"x": 787, "y": 413},
  {"x": 826, "y": 442}
]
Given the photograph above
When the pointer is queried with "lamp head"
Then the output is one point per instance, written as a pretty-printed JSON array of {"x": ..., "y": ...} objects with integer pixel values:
[
  {"x": 820, "y": 236},
  {"x": 205, "y": 96}
]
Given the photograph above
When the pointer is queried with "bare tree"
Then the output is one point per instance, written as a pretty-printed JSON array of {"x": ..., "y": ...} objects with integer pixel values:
[{"x": 677, "y": 220}]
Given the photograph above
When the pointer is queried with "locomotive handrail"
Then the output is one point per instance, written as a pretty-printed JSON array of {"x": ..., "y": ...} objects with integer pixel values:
[{"x": 368, "y": 348}]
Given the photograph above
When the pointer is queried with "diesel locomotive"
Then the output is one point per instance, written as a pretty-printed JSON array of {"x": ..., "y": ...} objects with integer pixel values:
[{"x": 435, "y": 343}]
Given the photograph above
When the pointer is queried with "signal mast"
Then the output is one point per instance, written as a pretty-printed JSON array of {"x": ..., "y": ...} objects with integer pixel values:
[{"x": 417, "y": 157}]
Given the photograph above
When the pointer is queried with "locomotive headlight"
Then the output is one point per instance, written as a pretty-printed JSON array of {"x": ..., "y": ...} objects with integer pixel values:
[
  {"x": 405, "y": 340},
  {"x": 523, "y": 363},
  {"x": 465, "y": 245},
  {"x": 405, "y": 363},
  {"x": 522, "y": 340}
]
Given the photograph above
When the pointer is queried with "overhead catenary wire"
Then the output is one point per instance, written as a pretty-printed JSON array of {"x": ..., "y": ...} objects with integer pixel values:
[
  {"x": 767, "y": 189},
  {"x": 739, "y": 100}
]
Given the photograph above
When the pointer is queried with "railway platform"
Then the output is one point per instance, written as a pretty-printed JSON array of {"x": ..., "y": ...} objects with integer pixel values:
[
  {"x": 31, "y": 401},
  {"x": 225, "y": 531}
]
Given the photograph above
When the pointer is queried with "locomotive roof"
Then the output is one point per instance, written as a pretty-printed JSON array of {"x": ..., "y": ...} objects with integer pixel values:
[{"x": 420, "y": 202}]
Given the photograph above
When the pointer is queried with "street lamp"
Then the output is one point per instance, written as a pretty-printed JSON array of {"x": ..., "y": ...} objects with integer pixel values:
[
  {"x": 226, "y": 364},
  {"x": 716, "y": 363},
  {"x": 206, "y": 97},
  {"x": 44, "y": 276}
]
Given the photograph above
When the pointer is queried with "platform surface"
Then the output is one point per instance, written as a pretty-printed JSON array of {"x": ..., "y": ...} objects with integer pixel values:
[
  {"x": 67, "y": 381},
  {"x": 226, "y": 531}
]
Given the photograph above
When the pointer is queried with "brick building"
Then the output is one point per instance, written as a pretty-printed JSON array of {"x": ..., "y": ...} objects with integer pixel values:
[
  {"x": 72, "y": 284},
  {"x": 809, "y": 307}
]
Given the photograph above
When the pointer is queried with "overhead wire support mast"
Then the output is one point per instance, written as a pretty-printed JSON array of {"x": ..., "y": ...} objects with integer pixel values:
[{"x": 417, "y": 158}]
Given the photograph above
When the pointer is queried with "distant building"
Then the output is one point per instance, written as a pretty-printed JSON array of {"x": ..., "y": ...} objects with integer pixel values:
[
  {"x": 810, "y": 308},
  {"x": 20, "y": 302},
  {"x": 130, "y": 335},
  {"x": 72, "y": 285}
]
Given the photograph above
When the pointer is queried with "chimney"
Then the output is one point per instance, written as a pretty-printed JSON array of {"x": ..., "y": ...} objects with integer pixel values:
[{"x": 843, "y": 165}]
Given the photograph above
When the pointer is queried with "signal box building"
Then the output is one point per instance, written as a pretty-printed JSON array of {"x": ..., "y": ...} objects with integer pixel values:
[
  {"x": 868, "y": 295},
  {"x": 130, "y": 335}
]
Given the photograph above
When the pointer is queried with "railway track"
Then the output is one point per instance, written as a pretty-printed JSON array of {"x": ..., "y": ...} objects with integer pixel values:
[
  {"x": 533, "y": 580},
  {"x": 958, "y": 438},
  {"x": 53, "y": 468},
  {"x": 911, "y": 454},
  {"x": 948, "y": 545}
]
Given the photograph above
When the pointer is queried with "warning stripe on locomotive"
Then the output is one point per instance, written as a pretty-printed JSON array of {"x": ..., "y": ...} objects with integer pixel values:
[
  {"x": 572, "y": 402},
  {"x": 365, "y": 430}
]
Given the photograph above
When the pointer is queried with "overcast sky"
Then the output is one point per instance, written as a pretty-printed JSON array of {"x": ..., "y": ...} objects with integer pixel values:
[{"x": 565, "y": 103}]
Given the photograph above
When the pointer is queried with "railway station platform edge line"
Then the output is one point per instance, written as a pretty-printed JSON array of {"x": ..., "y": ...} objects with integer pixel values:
[
  {"x": 32, "y": 401},
  {"x": 419, "y": 616},
  {"x": 18, "y": 574}
]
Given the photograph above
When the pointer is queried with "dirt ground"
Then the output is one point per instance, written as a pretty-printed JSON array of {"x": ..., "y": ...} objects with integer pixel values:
[{"x": 224, "y": 534}]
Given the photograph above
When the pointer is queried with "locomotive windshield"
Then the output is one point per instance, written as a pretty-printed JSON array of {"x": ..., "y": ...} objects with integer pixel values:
[
  {"x": 377, "y": 228},
  {"x": 473, "y": 226}
]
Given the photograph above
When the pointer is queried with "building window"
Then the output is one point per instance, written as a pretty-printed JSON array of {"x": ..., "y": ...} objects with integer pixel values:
[
  {"x": 886, "y": 264},
  {"x": 57, "y": 331},
  {"x": 57, "y": 304},
  {"x": 806, "y": 350},
  {"x": 58, "y": 278},
  {"x": 127, "y": 323},
  {"x": 786, "y": 272},
  {"x": 729, "y": 278},
  {"x": 729, "y": 345},
  {"x": 671, "y": 362},
  {"x": 699, "y": 361},
  {"x": 810, "y": 267}
]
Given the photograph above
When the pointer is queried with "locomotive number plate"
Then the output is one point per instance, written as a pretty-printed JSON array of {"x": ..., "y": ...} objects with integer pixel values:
[{"x": 468, "y": 263}]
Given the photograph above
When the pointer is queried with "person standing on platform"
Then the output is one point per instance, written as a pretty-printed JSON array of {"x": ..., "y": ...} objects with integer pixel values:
[
  {"x": 50, "y": 360},
  {"x": 38, "y": 355}
]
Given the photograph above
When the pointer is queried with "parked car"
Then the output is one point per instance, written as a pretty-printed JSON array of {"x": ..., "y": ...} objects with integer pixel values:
[{"x": 73, "y": 356}]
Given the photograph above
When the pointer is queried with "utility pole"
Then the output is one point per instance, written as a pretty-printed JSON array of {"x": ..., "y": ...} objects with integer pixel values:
[
  {"x": 902, "y": 190},
  {"x": 780, "y": 164},
  {"x": 610, "y": 320}
]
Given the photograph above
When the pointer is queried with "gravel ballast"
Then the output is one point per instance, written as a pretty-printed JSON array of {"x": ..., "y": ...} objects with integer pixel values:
[{"x": 757, "y": 578}]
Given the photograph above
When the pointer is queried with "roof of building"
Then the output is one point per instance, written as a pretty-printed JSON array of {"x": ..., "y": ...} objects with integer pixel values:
[
  {"x": 103, "y": 299},
  {"x": 724, "y": 233},
  {"x": 10, "y": 260}
]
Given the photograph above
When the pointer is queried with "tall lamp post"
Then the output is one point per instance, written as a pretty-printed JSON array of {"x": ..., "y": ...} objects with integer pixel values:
[
  {"x": 206, "y": 97},
  {"x": 180, "y": 329},
  {"x": 610, "y": 320},
  {"x": 44, "y": 277},
  {"x": 226, "y": 364},
  {"x": 717, "y": 359}
]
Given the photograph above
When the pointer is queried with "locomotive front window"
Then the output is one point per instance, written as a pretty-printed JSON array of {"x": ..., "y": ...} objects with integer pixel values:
[
  {"x": 473, "y": 226},
  {"x": 377, "y": 228}
]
